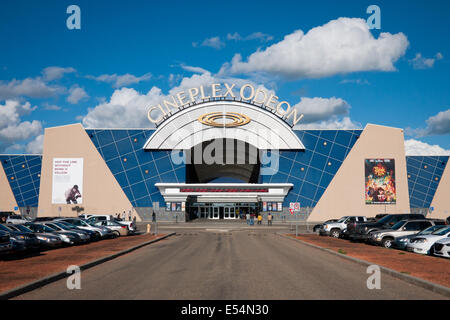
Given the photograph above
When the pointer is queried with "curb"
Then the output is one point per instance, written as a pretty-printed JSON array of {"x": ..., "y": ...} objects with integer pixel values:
[
  {"x": 61, "y": 275},
  {"x": 437, "y": 288}
]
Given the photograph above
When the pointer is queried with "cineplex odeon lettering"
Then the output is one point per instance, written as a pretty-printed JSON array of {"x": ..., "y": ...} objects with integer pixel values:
[{"x": 220, "y": 151}]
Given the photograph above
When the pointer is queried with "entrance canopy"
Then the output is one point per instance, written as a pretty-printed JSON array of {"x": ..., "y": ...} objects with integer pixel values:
[
  {"x": 224, "y": 120},
  {"x": 224, "y": 192}
]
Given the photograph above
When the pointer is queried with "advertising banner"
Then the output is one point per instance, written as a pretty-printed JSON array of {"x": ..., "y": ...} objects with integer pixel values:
[
  {"x": 264, "y": 206},
  {"x": 380, "y": 181},
  {"x": 67, "y": 182}
]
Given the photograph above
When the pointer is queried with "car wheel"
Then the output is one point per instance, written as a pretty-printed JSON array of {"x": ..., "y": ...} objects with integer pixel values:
[
  {"x": 432, "y": 250},
  {"x": 387, "y": 243},
  {"x": 335, "y": 233},
  {"x": 116, "y": 233}
]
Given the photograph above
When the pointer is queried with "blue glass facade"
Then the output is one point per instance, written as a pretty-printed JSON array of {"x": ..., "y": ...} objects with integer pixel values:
[
  {"x": 310, "y": 171},
  {"x": 424, "y": 175},
  {"x": 24, "y": 174}
]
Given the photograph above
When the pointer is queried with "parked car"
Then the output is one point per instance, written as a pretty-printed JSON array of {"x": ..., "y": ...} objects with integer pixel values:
[
  {"x": 85, "y": 216},
  {"x": 45, "y": 241},
  {"x": 5, "y": 242},
  {"x": 334, "y": 229},
  {"x": 361, "y": 231},
  {"x": 386, "y": 237},
  {"x": 119, "y": 229},
  {"x": 442, "y": 248},
  {"x": 93, "y": 234},
  {"x": 21, "y": 241},
  {"x": 4, "y": 215},
  {"x": 97, "y": 217},
  {"x": 16, "y": 219},
  {"x": 41, "y": 219},
  {"x": 318, "y": 226},
  {"x": 401, "y": 242},
  {"x": 74, "y": 237},
  {"x": 424, "y": 244},
  {"x": 81, "y": 224},
  {"x": 67, "y": 238}
]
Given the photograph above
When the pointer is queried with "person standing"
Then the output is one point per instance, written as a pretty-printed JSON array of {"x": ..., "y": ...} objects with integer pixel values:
[
  {"x": 269, "y": 219},
  {"x": 123, "y": 216},
  {"x": 247, "y": 218},
  {"x": 129, "y": 215},
  {"x": 153, "y": 216},
  {"x": 259, "y": 218}
]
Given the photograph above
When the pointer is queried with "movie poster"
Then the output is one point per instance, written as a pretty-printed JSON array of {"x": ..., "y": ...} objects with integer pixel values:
[
  {"x": 67, "y": 181},
  {"x": 380, "y": 181}
]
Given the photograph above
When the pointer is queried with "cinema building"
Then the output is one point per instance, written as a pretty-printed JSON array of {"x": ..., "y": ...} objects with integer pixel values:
[{"x": 218, "y": 156}]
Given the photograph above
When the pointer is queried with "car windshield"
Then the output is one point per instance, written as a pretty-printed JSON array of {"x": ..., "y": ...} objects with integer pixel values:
[
  {"x": 385, "y": 219},
  {"x": 430, "y": 230},
  {"x": 5, "y": 228},
  {"x": 442, "y": 232},
  {"x": 23, "y": 228},
  {"x": 342, "y": 219},
  {"x": 398, "y": 225},
  {"x": 61, "y": 225},
  {"x": 67, "y": 224}
]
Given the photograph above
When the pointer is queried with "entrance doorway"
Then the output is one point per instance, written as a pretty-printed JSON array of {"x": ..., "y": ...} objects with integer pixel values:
[{"x": 219, "y": 211}]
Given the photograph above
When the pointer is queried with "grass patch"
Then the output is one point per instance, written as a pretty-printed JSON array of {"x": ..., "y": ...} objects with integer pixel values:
[
  {"x": 405, "y": 272},
  {"x": 342, "y": 251},
  {"x": 402, "y": 253}
]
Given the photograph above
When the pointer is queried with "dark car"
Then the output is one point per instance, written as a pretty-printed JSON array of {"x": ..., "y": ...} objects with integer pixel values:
[
  {"x": 43, "y": 219},
  {"x": 5, "y": 243},
  {"x": 318, "y": 226},
  {"x": 68, "y": 238},
  {"x": 21, "y": 241},
  {"x": 81, "y": 237},
  {"x": 45, "y": 240},
  {"x": 361, "y": 231},
  {"x": 93, "y": 235}
]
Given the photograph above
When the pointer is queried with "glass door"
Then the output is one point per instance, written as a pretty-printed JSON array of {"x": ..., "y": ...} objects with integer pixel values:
[
  {"x": 226, "y": 214},
  {"x": 215, "y": 213}
]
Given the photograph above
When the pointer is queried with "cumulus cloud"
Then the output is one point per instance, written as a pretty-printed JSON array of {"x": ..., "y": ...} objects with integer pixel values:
[
  {"x": 420, "y": 62},
  {"x": 341, "y": 46},
  {"x": 51, "y": 107},
  {"x": 321, "y": 109},
  {"x": 213, "y": 42},
  {"x": 29, "y": 87},
  {"x": 12, "y": 128},
  {"x": 121, "y": 80},
  {"x": 127, "y": 108},
  {"x": 54, "y": 73},
  {"x": 76, "y": 94},
  {"x": 436, "y": 125},
  {"x": 335, "y": 123},
  {"x": 263, "y": 37},
  {"x": 36, "y": 146},
  {"x": 193, "y": 69},
  {"x": 418, "y": 148}
]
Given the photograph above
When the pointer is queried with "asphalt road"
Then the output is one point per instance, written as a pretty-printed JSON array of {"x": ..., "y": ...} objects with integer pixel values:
[{"x": 241, "y": 264}]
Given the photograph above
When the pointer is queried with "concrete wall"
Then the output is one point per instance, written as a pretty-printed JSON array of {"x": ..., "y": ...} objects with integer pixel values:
[
  {"x": 441, "y": 200},
  {"x": 7, "y": 200},
  {"x": 102, "y": 193},
  {"x": 346, "y": 193}
]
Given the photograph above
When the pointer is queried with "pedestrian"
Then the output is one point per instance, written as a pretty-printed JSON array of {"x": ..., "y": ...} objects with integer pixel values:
[
  {"x": 269, "y": 219},
  {"x": 123, "y": 216},
  {"x": 252, "y": 219},
  {"x": 129, "y": 215},
  {"x": 153, "y": 216},
  {"x": 247, "y": 218},
  {"x": 259, "y": 218}
]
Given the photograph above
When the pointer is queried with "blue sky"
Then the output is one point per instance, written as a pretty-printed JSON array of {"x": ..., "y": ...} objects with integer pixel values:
[{"x": 154, "y": 44}]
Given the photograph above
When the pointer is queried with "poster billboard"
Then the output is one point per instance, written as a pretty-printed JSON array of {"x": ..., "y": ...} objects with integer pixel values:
[
  {"x": 67, "y": 182},
  {"x": 380, "y": 181}
]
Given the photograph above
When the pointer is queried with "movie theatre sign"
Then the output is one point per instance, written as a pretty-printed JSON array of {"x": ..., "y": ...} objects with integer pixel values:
[{"x": 218, "y": 91}]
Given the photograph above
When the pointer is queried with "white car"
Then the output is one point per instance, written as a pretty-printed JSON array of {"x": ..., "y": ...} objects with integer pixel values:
[
  {"x": 118, "y": 228},
  {"x": 334, "y": 229},
  {"x": 424, "y": 244},
  {"x": 16, "y": 219},
  {"x": 93, "y": 219},
  {"x": 442, "y": 248}
]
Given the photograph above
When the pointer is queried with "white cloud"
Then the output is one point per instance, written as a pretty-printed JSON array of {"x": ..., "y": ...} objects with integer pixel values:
[
  {"x": 419, "y": 148},
  {"x": 12, "y": 128},
  {"x": 263, "y": 37},
  {"x": 127, "y": 108},
  {"x": 334, "y": 123},
  {"x": 51, "y": 107},
  {"x": 76, "y": 94},
  {"x": 36, "y": 146},
  {"x": 30, "y": 87},
  {"x": 54, "y": 73},
  {"x": 436, "y": 125},
  {"x": 341, "y": 46},
  {"x": 321, "y": 109},
  {"x": 193, "y": 69},
  {"x": 213, "y": 42},
  {"x": 419, "y": 62},
  {"x": 121, "y": 80}
]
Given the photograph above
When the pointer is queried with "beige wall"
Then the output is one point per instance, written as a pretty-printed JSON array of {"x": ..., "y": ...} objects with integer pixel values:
[
  {"x": 102, "y": 193},
  {"x": 7, "y": 199},
  {"x": 346, "y": 193},
  {"x": 441, "y": 200}
]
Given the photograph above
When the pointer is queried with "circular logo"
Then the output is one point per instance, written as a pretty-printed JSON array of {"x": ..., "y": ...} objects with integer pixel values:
[{"x": 237, "y": 119}]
